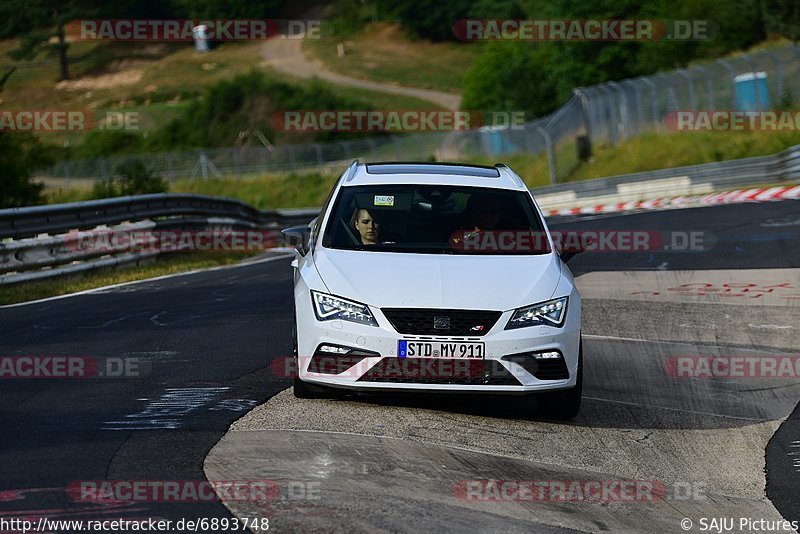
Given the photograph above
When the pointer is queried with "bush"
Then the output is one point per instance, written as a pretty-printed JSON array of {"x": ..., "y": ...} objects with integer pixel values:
[
  {"x": 134, "y": 178},
  {"x": 19, "y": 154},
  {"x": 246, "y": 102}
]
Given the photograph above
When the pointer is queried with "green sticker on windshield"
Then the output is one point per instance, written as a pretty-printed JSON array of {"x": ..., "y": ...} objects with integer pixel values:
[{"x": 384, "y": 200}]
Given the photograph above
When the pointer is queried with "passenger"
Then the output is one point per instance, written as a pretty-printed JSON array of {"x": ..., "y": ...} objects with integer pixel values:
[
  {"x": 367, "y": 225},
  {"x": 483, "y": 213}
]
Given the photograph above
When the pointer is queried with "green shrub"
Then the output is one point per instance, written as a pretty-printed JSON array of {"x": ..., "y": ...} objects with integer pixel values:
[{"x": 134, "y": 178}]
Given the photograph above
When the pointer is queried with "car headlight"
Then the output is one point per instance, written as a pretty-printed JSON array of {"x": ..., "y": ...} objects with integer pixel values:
[
  {"x": 327, "y": 308},
  {"x": 550, "y": 313}
]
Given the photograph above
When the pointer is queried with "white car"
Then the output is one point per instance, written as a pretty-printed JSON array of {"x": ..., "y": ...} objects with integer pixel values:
[{"x": 423, "y": 277}]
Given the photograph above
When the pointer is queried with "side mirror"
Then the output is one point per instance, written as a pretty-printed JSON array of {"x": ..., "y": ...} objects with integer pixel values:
[
  {"x": 567, "y": 255},
  {"x": 297, "y": 236}
]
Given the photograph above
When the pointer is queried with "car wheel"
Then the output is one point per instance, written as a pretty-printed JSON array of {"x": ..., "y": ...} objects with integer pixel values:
[{"x": 564, "y": 404}]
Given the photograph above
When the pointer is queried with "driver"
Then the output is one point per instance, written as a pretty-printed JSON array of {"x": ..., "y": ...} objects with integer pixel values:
[{"x": 368, "y": 226}]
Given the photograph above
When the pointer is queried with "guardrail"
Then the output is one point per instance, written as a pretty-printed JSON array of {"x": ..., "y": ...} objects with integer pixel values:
[
  {"x": 677, "y": 181},
  {"x": 30, "y": 221},
  {"x": 46, "y": 241},
  {"x": 40, "y": 240}
]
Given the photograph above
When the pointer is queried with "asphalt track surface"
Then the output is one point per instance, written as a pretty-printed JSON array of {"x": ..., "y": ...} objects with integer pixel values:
[{"x": 207, "y": 339}]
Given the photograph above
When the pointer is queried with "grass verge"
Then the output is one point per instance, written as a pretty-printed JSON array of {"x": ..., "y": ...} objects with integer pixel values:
[{"x": 648, "y": 152}]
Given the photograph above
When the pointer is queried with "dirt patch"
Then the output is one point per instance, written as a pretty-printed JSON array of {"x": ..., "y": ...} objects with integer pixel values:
[{"x": 122, "y": 72}]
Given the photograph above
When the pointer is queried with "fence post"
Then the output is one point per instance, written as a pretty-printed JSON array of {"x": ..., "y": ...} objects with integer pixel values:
[
  {"x": 754, "y": 70},
  {"x": 610, "y": 115},
  {"x": 320, "y": 162},
  {"x": 732, "y": 74},
  {"x": 236, "y": 168},
  {"x": 639, "y": 114},
  {"x": 690, "y": 84},
  {"x": 621, "y": 108},
  {"x": 551, "y": 158},
  {"x": 709, "y": 85},
  {"x": 584, "y": 111},
  {"x": 653, "y": 99},
  {"x": 778, "y": 75},
  {"x": 396, "y": 141}
]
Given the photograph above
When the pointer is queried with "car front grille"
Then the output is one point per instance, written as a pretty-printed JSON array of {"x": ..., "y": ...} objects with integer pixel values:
[
  {"x": 427, "y": 321},
  {"x": 440, "y": 371}
]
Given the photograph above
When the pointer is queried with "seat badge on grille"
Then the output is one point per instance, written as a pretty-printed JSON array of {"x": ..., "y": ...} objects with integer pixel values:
[
  {"x": 441, "y": 322},
  {"x": 478, "y": 328}
]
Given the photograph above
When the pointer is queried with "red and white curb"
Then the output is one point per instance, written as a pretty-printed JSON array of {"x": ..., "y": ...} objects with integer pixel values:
[{"x": 728, "y": 197}]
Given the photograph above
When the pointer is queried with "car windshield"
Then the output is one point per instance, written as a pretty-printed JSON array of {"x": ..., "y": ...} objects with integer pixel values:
[{"x": 435, "y": 219}]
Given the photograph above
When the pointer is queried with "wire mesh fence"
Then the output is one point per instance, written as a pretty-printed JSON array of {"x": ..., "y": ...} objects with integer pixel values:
[{"x": 608, "y": 113}]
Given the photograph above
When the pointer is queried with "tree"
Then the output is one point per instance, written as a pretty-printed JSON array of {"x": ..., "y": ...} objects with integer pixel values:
[
  {"x": 429, "y": 19},
  {"x": 782, "y": 17},
  {"x": 510, "y": 76},
  {"x": 39, "y": 22}
]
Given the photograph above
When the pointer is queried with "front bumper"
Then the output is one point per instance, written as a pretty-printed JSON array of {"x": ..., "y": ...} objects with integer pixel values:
[{"x": 377, "y": 366}]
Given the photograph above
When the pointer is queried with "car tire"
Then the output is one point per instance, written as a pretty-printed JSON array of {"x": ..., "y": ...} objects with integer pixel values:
[{"x": 564, "y": 404}]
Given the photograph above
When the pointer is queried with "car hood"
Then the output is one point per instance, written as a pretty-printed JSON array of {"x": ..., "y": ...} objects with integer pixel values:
[{"x": 389, "y": 279}]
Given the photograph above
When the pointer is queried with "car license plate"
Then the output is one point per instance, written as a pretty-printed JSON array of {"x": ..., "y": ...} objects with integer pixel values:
[{"x": 407, "y": 348}]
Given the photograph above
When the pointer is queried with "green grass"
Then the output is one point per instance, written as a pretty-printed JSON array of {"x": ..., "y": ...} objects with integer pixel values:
[
  {"x": 383, "y": 54},
  {"x": 651, "y": 151},
  {"x": 28, "y": 291},
  {"x": 662, "y": 151},
  {"x": 266, "y": 192}
]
